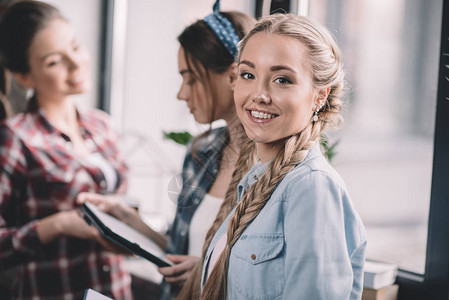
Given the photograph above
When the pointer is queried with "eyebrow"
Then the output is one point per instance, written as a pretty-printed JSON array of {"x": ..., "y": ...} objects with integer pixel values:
[
  {"x": 185, "y": 71},
  {"x": 49, "y": 54},
  {"x": 273, "y": 68},
  {"x": 282, "y": 67},
  {"x": 73, "y": 41},
  {"x": 245, "y": 62}
]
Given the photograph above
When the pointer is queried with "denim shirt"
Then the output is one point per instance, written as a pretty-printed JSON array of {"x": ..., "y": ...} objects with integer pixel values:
[{"x": 308, "y": 242}]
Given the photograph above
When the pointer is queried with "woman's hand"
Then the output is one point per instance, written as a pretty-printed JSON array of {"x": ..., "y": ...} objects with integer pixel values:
[
  {"x": 182, "y": 269},
  {"x": 71, "y": 223},
  {"x": 114, "y": 206},
  {"x": 111, "y": 205}
]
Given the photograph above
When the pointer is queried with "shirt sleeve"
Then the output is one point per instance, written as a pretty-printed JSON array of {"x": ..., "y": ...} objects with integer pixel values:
[
  {"x": 17, "y": 243},
  {"x": 317, "y": 229}
]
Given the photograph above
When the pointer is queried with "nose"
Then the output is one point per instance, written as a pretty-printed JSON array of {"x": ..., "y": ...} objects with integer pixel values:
[
  {"x": 74, "y": 60},
  {"x": 73, "y": 63},
  {"x": 260, "y": 91},
  {"x": 183, "y": 92},
  {"x": 261, "y": 97}
]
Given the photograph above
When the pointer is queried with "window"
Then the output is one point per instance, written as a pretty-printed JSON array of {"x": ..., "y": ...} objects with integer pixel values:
[{"x": 393, "y": 145}]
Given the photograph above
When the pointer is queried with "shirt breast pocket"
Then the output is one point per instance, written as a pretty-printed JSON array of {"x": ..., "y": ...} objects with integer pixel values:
[{"x": 256, "y": 269}]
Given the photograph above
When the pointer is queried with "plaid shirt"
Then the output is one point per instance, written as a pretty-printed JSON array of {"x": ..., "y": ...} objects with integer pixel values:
[
  {"x": 39, "y": 176},
  {"x": 198, "y": 175}
]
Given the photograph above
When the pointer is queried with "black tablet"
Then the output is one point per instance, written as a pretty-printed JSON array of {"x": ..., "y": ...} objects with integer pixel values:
[{"x": 122, "y": 234}]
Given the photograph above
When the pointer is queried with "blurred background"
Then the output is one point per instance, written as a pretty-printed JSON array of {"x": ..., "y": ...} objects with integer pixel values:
[{"x": 391, "y": 51}]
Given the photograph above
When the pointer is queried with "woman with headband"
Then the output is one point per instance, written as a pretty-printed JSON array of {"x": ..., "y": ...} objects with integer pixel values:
[
  {"x": 206, "y": 62},
  {"x": 294, "y": 233}
]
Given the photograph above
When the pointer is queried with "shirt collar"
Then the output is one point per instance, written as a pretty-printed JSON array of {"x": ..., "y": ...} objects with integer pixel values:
[
  {"x": 216, "y": 139},
  {"x": 42, "y": 119},
  {"x": 256, "y": 172}
]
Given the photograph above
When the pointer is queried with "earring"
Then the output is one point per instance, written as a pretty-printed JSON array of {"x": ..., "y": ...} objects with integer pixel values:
[
  {"x": 232, "y": 88},
  {"x": 315, "y": 114}
]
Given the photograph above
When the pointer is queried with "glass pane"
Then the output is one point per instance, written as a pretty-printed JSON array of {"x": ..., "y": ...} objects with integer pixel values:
[{"x": 390, "y": 50}]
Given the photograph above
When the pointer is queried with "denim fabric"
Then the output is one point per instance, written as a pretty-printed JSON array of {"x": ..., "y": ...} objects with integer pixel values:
[
  {"x": 308, "y": 242},
  {"x": 198, "y": 174}
]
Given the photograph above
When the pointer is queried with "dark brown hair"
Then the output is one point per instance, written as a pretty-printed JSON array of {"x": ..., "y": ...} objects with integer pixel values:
[
  {"x": 204, "y": 50},
  {"x": 5, "y": 110},
  {"x": 19, "y": 23},
  {"x": 18, "y": 26}
]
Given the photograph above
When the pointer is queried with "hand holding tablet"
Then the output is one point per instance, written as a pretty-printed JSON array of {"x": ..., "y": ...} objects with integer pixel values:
[{"x": 122, "y": 234}]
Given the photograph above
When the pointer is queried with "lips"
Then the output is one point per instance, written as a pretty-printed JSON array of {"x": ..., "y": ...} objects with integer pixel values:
[
  {"x": 76, "y": 81},
  {"x": 259, "y": 116}
]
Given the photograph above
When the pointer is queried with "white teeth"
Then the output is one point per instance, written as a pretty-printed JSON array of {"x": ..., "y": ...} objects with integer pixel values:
[{"x": 261, "y": 115}]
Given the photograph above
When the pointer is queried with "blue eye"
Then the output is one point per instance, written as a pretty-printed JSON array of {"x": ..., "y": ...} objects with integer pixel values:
[
  {"x": 246, "y": 75},
  {"x": 282, "y": 80}
]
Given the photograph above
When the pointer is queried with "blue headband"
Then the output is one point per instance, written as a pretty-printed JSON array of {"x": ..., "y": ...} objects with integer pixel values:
[{"x": 224, "y": 30}]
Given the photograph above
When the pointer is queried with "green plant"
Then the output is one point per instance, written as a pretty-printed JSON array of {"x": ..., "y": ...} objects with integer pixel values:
[
  {"x": 182, "y": 138},
  {"x": 328, "y": 149}
]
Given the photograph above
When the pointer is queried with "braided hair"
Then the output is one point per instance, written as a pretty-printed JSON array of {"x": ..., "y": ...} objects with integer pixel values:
[{"x": 327, "y": 72}]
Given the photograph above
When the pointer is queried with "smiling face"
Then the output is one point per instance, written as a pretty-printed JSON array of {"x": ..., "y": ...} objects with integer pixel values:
[
  {"x": 274, "y": 94},
  {"x": 59, "y": 65}
]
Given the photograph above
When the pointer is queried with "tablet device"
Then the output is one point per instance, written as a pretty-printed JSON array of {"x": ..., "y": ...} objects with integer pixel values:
[
  {"x": 94, "y": 295},
  {"x": 122, "y": 234}
]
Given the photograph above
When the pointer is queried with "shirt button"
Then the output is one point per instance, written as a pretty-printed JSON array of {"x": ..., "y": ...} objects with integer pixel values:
[
  {"x": 196, "y": 201},
  {"x": 103, "y": 184},
  {"x": 183, "y": 233},
  {"x": 253, "y": 256},
  {"x": 67, "y": 177},
  {"x": 106, "y": 268},
  {"x": 90, "y": 144}
]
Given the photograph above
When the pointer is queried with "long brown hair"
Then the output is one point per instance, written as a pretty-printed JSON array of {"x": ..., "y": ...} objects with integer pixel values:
[
  {"x": 19, "y": 24},
  {"x": 326, "y": 68},
  {"x": 205, "y": 53},
  {"x": 5, "y": 110}
]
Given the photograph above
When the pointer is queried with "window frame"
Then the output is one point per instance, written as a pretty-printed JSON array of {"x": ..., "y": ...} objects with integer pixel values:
[{"x": 434, "y": 283}]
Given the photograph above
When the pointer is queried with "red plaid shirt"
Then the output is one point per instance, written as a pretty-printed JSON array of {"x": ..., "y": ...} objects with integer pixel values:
[{"x": 39, "y": 176}]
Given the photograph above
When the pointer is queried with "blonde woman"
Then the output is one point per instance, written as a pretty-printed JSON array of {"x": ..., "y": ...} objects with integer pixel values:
[{"x": 294, "y": 233}]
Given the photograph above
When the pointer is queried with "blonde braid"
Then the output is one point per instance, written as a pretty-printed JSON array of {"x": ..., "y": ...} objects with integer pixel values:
[
  {"x": 247, "y": 158},
  {"x": 326, "y": 72},
  {"x": 293, "y": 151},
  {"x": 245, "y": 161}
]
